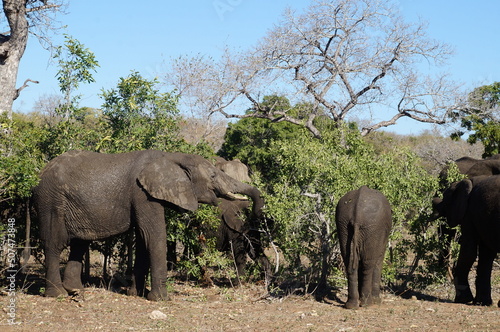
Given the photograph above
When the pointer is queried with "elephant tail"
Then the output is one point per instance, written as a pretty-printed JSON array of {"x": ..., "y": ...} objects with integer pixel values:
[{"x": 354, "y": 250}]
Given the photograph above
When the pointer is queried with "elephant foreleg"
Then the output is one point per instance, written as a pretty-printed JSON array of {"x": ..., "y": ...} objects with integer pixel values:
[
  {"x": 483, "y": 278},
  {"x": 73, "y": 271},
  {"x": 157, "y": 250},
  {"x": 171, "y": 254},
  {"x": 256, "y": 253},
  {"x": 240, "y": 257}
]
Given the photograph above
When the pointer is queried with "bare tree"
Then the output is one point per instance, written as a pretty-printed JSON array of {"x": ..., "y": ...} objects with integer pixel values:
[
  {"x": 22, "y": 17},
  {"x": 196, "y": 130},
  {"x": 345, "y": 57}
]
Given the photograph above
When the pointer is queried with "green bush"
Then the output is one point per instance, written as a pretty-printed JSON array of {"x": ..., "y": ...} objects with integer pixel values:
[{"x": 308, "y": 176}]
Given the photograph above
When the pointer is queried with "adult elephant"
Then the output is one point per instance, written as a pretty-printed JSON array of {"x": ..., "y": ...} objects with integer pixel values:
[
  {"x": 473, "y": 167},
  {"x": 364, "y": 221},
  {"x": 470, "y": 167},
  {"x": 84, "y": 196},
  {"x": 474, "y": 204},
  {"x": 238, "y": 232}
]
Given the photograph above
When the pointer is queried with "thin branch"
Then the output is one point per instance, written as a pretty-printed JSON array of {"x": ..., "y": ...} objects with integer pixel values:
[
  {"x": 41, "y": 8},
  {"x": 25, "y": 85},
  {"x": 405, "y": 113}
]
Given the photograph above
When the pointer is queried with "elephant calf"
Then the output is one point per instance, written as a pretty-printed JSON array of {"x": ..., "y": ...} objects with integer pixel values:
[{"x": 364, "y": 220}]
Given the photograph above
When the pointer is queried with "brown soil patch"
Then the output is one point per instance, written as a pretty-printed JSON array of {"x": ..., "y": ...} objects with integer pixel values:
[{"x": 246, "y": 308}]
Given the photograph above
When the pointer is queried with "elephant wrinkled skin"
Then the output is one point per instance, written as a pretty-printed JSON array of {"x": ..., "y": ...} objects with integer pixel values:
[
  {"x": 474, "y": 204},
  {"x": 84, "y": 196},
  {"x": 364, "y": 221}
]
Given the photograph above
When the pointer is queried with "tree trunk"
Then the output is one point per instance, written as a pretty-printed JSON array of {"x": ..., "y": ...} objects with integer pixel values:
[{"x": 12, "y": 48}]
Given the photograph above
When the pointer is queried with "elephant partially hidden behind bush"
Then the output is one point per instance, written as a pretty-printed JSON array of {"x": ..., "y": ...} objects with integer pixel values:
[
  {"x": 472, "y": 167},
  {"x": 237, "y": 232}
]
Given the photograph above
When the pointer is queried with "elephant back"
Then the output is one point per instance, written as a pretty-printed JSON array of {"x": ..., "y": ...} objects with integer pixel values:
[{"x": 372, "y": 208}]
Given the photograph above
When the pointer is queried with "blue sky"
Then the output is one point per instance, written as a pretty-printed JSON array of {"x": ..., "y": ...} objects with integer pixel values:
[{"x": 130, "y": 35}]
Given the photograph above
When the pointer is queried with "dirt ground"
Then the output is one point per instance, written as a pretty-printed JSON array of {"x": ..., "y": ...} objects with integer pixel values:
[{"x": 246, "y": 308}]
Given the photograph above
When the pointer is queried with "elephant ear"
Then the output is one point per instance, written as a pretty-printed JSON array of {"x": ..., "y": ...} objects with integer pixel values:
[
  {"x": 231, "y": 215},
  {"x": 460, "y": 200},
  {"x": 167, "y": 181}
]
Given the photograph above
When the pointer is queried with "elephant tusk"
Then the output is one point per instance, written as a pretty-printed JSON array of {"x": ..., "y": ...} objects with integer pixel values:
[{"x": 237, "y": 197}]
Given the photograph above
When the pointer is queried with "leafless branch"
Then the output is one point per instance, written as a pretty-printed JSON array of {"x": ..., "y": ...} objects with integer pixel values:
[
  {"x": 340, "y": 56},
  {"x": 41, "y": 8},
  {"x": 25, "y": 85}
]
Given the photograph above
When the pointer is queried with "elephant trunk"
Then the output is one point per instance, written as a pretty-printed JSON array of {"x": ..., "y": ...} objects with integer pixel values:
[
  {"x": 229, "y": 187},
  {"x": 437, "y": 208},
  {"x": 256, "y": 196}
]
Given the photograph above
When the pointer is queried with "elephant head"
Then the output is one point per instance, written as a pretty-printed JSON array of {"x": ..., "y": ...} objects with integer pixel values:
[
  {"x": 454, "y": 202},
  {"x": 234, "y": 168},
  {"x": 186, "y": 180},
  {"x": 455, "y": 199}
]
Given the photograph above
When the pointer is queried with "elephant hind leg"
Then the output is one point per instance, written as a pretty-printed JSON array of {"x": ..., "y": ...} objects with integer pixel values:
[
  {"x": 483, "y": 278},
  {"x": 353, "y": 289},
  {"x": 466, "y": 258},
  {"x": 365, "y": 287},
  {"x": 376, "y": 281},
  {"x": 54, "y": 238},
  {"x": 54, "y": 287}
]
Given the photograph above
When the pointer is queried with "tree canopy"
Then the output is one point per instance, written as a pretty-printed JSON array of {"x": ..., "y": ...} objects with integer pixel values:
[
  {"x": 481, "y": 118},
  {"x": 341, "y": 56}
]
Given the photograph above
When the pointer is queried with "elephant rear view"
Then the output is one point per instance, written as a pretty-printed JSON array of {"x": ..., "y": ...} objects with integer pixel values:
[{"x": 364, "y": 221}]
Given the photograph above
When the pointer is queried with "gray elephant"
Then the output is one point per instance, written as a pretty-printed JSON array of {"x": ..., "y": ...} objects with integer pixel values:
[
  {"x": 473, "y": 167},
  {"x": 237, "y": 232},
  {"x": 474, "y": 204},
  {"x": 364, "y": 221},
  {"x": 84, "y": 196},
  {"x": 470, "y": 167}
]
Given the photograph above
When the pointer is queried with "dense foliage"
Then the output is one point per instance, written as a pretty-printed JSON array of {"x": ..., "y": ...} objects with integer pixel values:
[
  {"x": 481, "y": 118},
  {"x": 304, "y": 177},
  {"x": 136, "y": 115}
]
